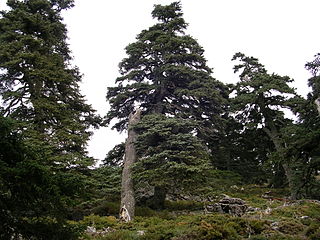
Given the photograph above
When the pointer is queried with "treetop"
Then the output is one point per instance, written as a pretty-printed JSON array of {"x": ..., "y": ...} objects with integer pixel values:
[{"x": 168, "y": 12}]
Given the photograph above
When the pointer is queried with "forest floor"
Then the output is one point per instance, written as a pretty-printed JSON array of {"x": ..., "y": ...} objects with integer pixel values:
[{"x": 272, "y": 218}]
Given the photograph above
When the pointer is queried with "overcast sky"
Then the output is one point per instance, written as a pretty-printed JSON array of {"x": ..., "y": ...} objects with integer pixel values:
[{"x": 283, "y": 34}]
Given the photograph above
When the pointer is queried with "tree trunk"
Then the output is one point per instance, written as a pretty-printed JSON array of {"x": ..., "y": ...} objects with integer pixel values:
[
  {"x": 289, "y": 172},
  {"x": 158, "y": 198},
  {"x": 127, "y": 205},
  {"x": 292, "y": 181}
]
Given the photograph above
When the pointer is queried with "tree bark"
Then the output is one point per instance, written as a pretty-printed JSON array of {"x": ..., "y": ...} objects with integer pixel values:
[
  {"x": 158, "y": 198},
  {"x": 127, "y": 206},
  {"x": 289, "y": 172}
]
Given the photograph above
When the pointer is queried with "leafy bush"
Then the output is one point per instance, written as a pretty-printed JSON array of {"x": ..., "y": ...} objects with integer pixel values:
[
  {"x": 291, "y": 227},
  {"x": 49, "y": 228},
  {"x": 145, "y": 212},
  {"x": 313, "y": 231},
  {"x": 105, "y": 208},
  {"x": 183, "y": 205},
  {"x": 98, "y": 222}
]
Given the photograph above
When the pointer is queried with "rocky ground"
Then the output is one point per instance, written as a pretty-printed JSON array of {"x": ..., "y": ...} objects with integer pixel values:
[{"x": 244, "y": 213}]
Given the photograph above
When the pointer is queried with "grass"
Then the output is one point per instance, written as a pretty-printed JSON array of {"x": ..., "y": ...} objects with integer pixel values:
[{"x": 184, "y": 220}]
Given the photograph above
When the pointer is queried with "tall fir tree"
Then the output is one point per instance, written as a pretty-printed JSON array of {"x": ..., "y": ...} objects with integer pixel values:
[
  {"x": 39, "y": 86},
  {"x": 260, "y": 100},
  {"x": 303, "y": 141},
  {"x": 166, "y": 74},
  {"x": 42, "y": 170}
]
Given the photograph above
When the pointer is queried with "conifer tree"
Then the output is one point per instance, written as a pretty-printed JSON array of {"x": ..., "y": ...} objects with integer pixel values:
[
  {"x": 259, "y": 103},
  {"x": 42, "y": 172},
  {"x": 303, "y": 140},
  {"x": 166, "y": 76},
  {"x": 39, "y": 86}
]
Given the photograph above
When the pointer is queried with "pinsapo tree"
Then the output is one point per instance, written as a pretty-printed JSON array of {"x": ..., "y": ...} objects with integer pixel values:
[
  {"x": 303, "y": 139},
  {"x": 259, "y": 102},
  {"x": 39, "y": 89},
  {"x": 165, "y": 73},
  {"x": 39, "y": 86}
]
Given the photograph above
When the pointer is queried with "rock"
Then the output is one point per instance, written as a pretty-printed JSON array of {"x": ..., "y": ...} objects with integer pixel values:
[
  {"x": 213, "y": 208},
  {"x": 253, "y": 209},
  {"x": 268, "y": 211},
  {"x": 275, "y": 225},
  {"x": 140, "y": 232},
  {"x": 91, "y": 230},
  {"x": 229, "y": 200},
  {"x": 235, "y": 187},
  {"x": 233, "y": 206}
]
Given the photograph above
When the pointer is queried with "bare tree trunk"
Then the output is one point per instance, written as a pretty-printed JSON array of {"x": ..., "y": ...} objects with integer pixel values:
[{"x": 127, "y": 206}]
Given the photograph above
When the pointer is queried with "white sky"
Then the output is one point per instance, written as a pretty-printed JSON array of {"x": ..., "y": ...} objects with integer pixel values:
[{"x": 283, "y": 34}]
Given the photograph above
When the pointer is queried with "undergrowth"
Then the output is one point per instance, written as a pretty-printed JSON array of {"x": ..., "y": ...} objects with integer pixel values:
[{"x": 184, "y": 220}]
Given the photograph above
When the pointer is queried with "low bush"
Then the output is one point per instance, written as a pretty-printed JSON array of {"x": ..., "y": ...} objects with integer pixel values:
[{"x": 98, "y": 222}]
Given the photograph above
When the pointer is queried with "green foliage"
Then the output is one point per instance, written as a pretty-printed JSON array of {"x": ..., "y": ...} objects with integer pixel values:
[
  {"x": 291, "y": 227},
  {"x": 169, "y": 154},
  {"x": 33, "y": 199},
  {"x": 183, "y": 205},
  {"x": 94, "y": 206},
  {"x": 246, "y": 152},
  {"x": 44, "y": 122},
  {"x": 39, "y": 86},
  {"x": 313, "y": 231},
  {"x": 166, "y": 73},
  {"x": 106, "y": 181},
  {"x": 298, "y": 220},
  {"x": 49, "y": 228},
  {"x": 144, "y": 212},
  {"x": 115, "y": 156},
  {"x": 98, "y": 222},
  {"x": 259, "y": 102},
  {"x": 302, "y": 209},
  {"x": 121, "y": 235}
]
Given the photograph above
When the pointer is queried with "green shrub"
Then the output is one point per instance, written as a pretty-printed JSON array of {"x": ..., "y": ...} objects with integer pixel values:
[
  {"x": 49, "y": 228},
  {"x": 120, "y": 235},
  {"x": 259, "y": 237},
  {"x": 183, "y": 205},
  {"x": 291, "y": 227},
  {"x": 315, "y": 235},
  {"x": 106, "y": 208},
  {"x": 144, "y": 212},
  {"x": 257, "y": 226},
  {"x": 217, "y": 231},
  {"x": 98, "y": 222},
  {"x": 313, "y": 230}
]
